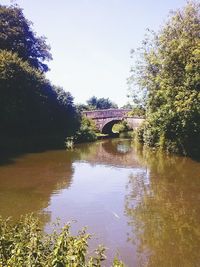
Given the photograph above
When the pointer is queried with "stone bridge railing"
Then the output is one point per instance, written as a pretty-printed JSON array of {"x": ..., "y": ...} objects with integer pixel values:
[{"x": 106, "y": 113}]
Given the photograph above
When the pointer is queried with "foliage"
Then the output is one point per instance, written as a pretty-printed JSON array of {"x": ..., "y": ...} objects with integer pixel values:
[
  {"x": 29, "y": 104},
  {"x": 69, "y": 143},
  {"x": 17, "y": 36},
  {"x": 139, "y": 135},
  {"x": 168, "y": 76},
  {"x": 137, "y": 111},
  {"x": 25, "y": 244},
  {"x": 86, "y": 132},
  {"x": 100, "y": 103},
  {"x": 82, "y": 107},
  {"x": 127, "y": 106},
  {"x": 121, "y": 127},
  {"x": 117, "y": 263}
]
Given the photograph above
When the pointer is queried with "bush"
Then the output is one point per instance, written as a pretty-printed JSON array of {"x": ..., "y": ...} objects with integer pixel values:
[
  {"x": 69, "y": 142},
  {"x": 121, "y": 127},
  {"x": 87, "y": 131},
  {"x": 25, "y": 244},
  {"x": 140, "y": 134}
]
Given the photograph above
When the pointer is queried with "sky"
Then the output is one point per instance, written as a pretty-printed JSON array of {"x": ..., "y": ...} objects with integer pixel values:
[{"x": 91, "y": 40}]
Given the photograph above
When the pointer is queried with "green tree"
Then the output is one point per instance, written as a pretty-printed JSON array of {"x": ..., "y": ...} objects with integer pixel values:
[
  {"x": 68, "y": 118},
  {"x": 92, "y": 102},
  {"x": 29, "y": 105},
  {"x": 31, "y": 108},
  {"x": 16, "y": 35},
  {"x": 100, "y": 103},
  {"x": 82, "y": 107},
  {"x": 87, "y": 131},
  {"x": 127, "y": 106},
  {"x": 168, "y": 76}
]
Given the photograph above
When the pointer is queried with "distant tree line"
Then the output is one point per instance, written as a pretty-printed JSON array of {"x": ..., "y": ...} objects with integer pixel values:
[
  {"x": 29, "y": 104},
  {"x": 95, "y": 103},
  {"x": 166, "y": 83}
]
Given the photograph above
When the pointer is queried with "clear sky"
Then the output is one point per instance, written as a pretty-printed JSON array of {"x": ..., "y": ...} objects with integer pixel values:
[{"x": 91, "y": 40}]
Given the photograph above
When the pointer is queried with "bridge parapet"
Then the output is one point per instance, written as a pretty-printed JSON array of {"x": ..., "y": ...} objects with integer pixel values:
[{"x": 106, "y": 113}]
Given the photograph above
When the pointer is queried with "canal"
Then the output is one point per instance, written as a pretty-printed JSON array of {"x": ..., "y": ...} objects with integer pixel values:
[{"x": 142, "y": 204}]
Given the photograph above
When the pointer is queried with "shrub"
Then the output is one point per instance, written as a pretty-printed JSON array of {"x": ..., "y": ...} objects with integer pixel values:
[
  {"x": 140, "y": 134},
  {"x": 87, "y": 131},
  {"x": 25, "y": 244},
  {"x": 69, "y": 142},
  {"x": 121, "y": 127}
]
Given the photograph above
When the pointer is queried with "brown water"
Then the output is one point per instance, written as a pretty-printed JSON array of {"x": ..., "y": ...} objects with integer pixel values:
[{"x": 143, "y": 204}]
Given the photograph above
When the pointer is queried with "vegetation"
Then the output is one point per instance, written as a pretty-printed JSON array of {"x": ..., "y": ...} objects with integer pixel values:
[
  {"x": 121, "y": 127},
  {"x": 168, "y": 80},
  {"x": 137, "y": 111},
  {"x": 25, "y": 244},
  {"x": 127, "y": 106},
  {"x": 17, "y": 36},
  {"x": 31, "y": 108},
  {"x": 87, "y": 131},
  {"x": 97, "y": 103},
  {"x": 69, "y": 143}
]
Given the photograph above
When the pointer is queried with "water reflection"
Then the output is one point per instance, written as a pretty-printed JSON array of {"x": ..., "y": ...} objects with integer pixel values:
[
  {"x": 27, "y": 184},
  {"x": 114, "y": 152},
  {"x": 163, "y": 210},
  {"x": 142, "y": 203}
]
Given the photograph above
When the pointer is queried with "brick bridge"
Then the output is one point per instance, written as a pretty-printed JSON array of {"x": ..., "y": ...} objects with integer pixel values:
[{"x": 106, "y": 118}]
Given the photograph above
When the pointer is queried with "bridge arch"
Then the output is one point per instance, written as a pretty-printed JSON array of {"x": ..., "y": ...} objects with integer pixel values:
[
  {"x": 107, "y": 128},
  {"x": 105, "y": 119}
]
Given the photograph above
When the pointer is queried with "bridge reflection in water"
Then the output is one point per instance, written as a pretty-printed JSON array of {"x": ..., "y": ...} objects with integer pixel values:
[{"x": 115, "y": 152}]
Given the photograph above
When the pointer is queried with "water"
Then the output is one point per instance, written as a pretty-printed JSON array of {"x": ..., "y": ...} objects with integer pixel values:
[{"x": 142, "y": 204}]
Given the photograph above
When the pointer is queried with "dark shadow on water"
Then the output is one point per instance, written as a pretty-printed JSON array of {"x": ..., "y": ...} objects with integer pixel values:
[
  {"x": 28, "y": 184},
  {"x": 10, "y": 150},
  {"x": 196, "y": 158}
]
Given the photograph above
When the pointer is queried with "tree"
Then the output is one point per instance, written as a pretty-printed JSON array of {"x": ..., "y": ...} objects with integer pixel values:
[
  {"x": 17, "y": 36},
  {"x": 82, "y": 107},
  {"x": 31, "y": 108},
  {"x": 92, "y": 102},
  {"x": 68, "y": 118},
  {"x": 127, "y": 106},
  {"x": 135, "y": 109},
  {"x": 100, "y": 103},
  {"x": 29, "y": 105},
  {"x": 168, "y": 74}
]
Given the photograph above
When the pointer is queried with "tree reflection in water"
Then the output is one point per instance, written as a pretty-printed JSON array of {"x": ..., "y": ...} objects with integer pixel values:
[
  {"x": 164, "y": 211},
  {"x": 29, "y": 182}
]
